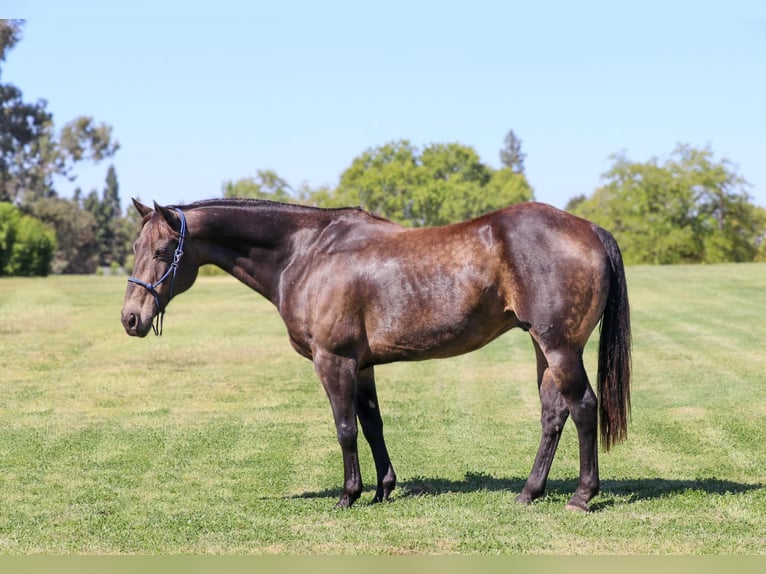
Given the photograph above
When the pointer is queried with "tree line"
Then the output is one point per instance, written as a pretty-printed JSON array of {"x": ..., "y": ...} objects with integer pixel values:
[
  {"x": 689, "y": 207},
  {"x": 435, "y": 185}
]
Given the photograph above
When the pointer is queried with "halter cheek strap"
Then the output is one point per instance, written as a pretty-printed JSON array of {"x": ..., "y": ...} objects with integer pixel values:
[{"x": 171, "y": 272}]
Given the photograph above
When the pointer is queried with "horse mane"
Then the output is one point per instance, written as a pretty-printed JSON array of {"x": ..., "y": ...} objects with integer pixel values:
[
  {"x": 263, "y": 203},
  {"x": 245, "y": 202}
]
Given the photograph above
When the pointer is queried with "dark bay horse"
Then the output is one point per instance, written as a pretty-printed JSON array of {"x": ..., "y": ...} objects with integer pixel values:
[{"x": 356, "y": 290}]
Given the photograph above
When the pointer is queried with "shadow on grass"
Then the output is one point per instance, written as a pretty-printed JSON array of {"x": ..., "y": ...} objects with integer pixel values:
[{"x": 632, "y": 490}]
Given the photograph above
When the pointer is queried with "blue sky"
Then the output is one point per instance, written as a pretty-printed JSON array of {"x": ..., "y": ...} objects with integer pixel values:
[{"x": 201, "y": 93}]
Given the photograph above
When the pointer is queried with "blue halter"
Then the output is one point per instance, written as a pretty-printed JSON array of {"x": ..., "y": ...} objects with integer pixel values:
[{"x": 171, "y": 272}]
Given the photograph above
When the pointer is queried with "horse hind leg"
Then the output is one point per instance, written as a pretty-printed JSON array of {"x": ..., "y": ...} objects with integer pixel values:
[
  {"x": 368, "y": 411},
  {"x": 554, "y": 414},
  {"x": 571, "y": 380}
]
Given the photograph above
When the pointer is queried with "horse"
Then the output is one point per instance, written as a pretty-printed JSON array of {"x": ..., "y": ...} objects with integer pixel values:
[{"x": 356, "y": 290}]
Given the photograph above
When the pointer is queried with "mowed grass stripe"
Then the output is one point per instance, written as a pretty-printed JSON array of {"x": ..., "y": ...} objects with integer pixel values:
[
  {"x": 699, "y": 344},
  {"x": 218, "y": 438}
]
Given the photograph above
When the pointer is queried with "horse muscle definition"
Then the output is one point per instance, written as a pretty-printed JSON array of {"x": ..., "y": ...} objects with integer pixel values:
[{"x": 356, "y": 290}]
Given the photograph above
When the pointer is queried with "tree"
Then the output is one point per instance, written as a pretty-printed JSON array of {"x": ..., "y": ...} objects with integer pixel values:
[
  {"x": 25, "y": 132},
  {"x": 760, "y": 242},
  {"x": 506, "y": 187},
  {"x": 22, "y": 126},
  {"x": 725, "y": 220},
  {"x": 110, "y": 206},
  {"x": 382, "y": 180},
  {"x": 75, "y": 234},
  {"x": 441, "y": 184},
  {"x": 511, "y": 155},
  {"x": 688, "y": 208},
  {"x": 112, "y": 233},
  {"x": 452, "y": 180},
  {"x": 574, "y": 203},
  {"x": 10, "y": 34},
  {"x": 265, "y": 185},
  {"x": 26, "y": 244},
  {"x": 31, "y": 153}
]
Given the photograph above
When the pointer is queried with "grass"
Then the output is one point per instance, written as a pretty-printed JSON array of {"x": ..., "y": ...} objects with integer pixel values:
[{"x": 217, "y": 438}]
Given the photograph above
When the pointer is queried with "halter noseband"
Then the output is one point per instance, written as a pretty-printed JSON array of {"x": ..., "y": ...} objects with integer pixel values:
[{"x": 171, "y": 272}]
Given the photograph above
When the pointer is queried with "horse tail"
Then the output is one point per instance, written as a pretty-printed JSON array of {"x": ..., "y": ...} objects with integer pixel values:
[{"x": 614, "y": 363}]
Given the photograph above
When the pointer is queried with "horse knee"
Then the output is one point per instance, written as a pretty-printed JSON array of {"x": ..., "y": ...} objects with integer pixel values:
[{"x": 347, "y": 435}]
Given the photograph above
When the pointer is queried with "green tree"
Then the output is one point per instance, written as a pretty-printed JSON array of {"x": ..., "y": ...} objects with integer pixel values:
[
  {"x": 511, "y": 155},
  {"x": 574, "y": 203},
  {"x": 441, "y": 184},
  {"x": 725, "y": 220},
  {"x": 25, "y": 147},
  {"x": 112, "y": 233},
  {"x": 321, "y": 196},
  {"x": 506, "y": 187},
  {"x": 10, "y": 34},
  {"x": 382, "y": 180},
  {"x": 32, "y": 154},
  {"x": 75, "y": 234},
  {"x": 26, "y": 244},
  {"x": 760, "y": 217},
  {"x": 688, "y": 208},
  {"x": 9, "y": 223},
  {"x": 452, "y": 179},
  {"x": 265, "y": 185}
]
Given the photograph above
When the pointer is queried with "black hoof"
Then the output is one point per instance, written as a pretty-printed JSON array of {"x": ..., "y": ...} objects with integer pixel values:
[
  {"x": 524, "y": 499},
  {"x": 578, "y": 505},
  {"x": 345, "y": 502}
]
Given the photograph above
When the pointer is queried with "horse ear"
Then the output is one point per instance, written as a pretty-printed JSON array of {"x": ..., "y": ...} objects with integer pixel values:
[
  {"x": 169, "y": 215},
  {"x": 142, "y": 209}
]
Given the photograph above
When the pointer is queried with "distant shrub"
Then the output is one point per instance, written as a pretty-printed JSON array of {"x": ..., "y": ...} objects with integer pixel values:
[{"x": 27, "y": 245}]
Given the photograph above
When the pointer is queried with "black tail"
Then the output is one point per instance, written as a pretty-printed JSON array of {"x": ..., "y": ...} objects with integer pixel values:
[{"x": 614, "y": 362}]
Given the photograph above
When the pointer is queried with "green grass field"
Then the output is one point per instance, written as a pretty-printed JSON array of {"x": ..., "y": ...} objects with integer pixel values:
[{"x": 217, "y": 438}]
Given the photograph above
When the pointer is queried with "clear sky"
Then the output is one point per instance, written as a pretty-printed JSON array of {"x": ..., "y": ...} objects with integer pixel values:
[{"x": 199, "y": 93}]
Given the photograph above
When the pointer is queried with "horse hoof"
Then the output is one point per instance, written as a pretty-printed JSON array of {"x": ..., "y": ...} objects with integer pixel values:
[
  {"x": 382, "y": 495},
  {"x": 577, "y": 506},
  {"x": 524, "y": 499},
  {"x": 344, "y": 502}
]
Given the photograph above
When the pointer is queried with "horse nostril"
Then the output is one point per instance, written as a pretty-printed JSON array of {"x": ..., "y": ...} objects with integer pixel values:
[{"x": 132, "y": 321}]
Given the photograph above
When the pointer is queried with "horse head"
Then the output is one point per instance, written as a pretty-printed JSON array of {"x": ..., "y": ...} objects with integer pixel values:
[{"x": 161, "y": 270}]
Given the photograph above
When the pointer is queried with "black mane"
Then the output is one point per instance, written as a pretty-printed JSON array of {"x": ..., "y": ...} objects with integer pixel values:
[
  {"x": 267, "y": 203},
  {"x": 246, "y": 202}
]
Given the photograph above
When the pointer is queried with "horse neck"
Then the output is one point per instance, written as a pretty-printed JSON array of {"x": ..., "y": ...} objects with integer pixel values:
[{"x": 253, "y": 242}]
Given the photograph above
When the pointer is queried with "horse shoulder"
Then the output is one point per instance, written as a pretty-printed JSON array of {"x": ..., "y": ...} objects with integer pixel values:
[{"x": 321, "y": 291}]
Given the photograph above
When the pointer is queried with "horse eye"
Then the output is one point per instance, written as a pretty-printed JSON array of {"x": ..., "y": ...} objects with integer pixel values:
[{"x": 159, "y": 253}]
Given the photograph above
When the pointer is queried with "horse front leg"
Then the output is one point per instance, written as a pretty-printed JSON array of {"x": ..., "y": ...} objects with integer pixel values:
[
  {"x": 372, "y": 426},
  {"x": 339, "y": 379}
]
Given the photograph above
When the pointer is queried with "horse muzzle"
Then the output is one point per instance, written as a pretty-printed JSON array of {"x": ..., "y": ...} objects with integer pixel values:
[{"x": 133, "y": 323}]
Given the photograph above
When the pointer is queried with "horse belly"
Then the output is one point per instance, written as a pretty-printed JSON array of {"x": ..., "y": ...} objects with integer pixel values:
[{"x": 426, "y": 328}]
